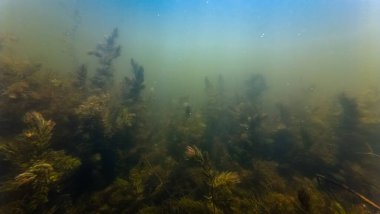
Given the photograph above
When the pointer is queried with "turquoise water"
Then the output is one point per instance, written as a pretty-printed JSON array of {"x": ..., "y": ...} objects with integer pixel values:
[{"x": 269, "y": 94}]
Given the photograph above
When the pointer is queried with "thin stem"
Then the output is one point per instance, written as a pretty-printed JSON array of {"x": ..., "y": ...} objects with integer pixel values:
[{"x": 345, "y": 187}]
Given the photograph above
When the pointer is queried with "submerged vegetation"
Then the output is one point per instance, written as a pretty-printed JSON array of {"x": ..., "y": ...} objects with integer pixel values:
[{"x": 74, "y": 144}]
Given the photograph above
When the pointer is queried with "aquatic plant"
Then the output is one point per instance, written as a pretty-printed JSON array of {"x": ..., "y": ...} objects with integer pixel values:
[
  {"x": 98, "y": 113},
  {"x": 350, "y": 118},
  {"x": 39, "y": 169},
  {"x": 17, "y": 90},
  {"x": 349, "y": 129},
  {"x": 42, "y": 177},
  {"x": 279, "y": 203},
  {"x": 132, "y": 192},
  {"x": 95, "y": 113},
  {"x": 221, "y": 85},
  {"x": 7, "y": 38},
  {"x": 188, "y": 205},
  {"x": 241, "y": 157},
  {"x": 106, "y": 52},
  {"x": 208, "y": 85},
  {"x": 124, "y": 118},
  {"x": 193, "y": 153},
  {"x": 218, "y": 183},
  {"x": 80, "y": 77},
  {"x": 225, "y": 179},
  {"x": 133, "y": 86},
  {"x": 265, "y": 177},
  {"x": 13, "y": 70},
  {"x": 93, "y": 107},
  {"x": 322, "y": 178},
  {"x": 39, "y": 130},
  {"x": 35, "y": 139},
  {"x": 256, "y": 85},
  {"x": 217, "y": 118}
]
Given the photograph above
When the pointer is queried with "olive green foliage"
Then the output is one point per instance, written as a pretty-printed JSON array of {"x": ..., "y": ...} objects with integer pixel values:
[
  {"x": 93, "y": 110},
  {"x": 39, "y": 169},
  {"x": 19, "y": 92},
  {"x": 134, "y": 86},
  {"x": 130, "y": 194},
  {"x": 218, "y": 183},
  {"x": 106, "y": 148},
  {"x": 80, "y": 78},
  {"x": 105, "y": 52},
  {"x": 39, "y": 130}
]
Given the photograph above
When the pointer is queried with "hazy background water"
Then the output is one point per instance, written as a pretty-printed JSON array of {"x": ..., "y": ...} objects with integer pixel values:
[{"x": 324, "y": 45}]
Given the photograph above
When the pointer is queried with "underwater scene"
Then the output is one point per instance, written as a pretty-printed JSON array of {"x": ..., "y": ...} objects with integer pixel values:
[{"x": 190, "y": 106}]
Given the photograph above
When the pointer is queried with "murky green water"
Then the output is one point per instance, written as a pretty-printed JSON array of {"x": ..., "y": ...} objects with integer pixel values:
[{"x": 189, "y": 106}]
